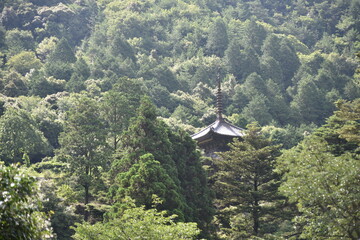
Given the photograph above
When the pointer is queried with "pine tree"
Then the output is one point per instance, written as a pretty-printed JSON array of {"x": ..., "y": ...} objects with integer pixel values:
[
  {"x": 246, "y": 187},
  {"x": 233, "y": 59},
  {"x": 83, "y": 142},
  {"x": 218, "y": 38},
  {"x": 60, "y": 61},
  {"x": 62, "y": 53}
]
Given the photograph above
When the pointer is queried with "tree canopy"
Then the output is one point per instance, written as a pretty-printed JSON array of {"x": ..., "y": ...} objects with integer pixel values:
[{"x": 72, "y": 76}]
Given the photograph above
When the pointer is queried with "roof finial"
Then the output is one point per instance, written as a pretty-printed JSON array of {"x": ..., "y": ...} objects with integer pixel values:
[{"x": 219, "y": 99}]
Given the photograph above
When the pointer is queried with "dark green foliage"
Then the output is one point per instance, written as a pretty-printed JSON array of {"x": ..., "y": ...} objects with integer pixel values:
[
  {"x": 166, "y": 78},
  {"x": 309, "y": 102},
  {"x": 2, "y": 36},
  {"x": 14, "y": 85},
  {"x": 218, "y": 39},
  {"x": 282, "y": 63},
  {"x": 246, "y": 187},
  {"x": 59, "y": 70},
  {"x": 255, "y": 35},
  {"x": 289, "y": 61},
  {"x": 76, "y": 83},
  {"x": 257, "y": 110},
  {"x": 83, "y": 142},
  {"x": 41, "y": 86},
  {"x": 148, "y": 177},
  {"x": 329, "y": 167},
  {"x": 341, "y": 130},
  {"x": 120, "y": 47},
  {"x": 173, "y": 156},
  {"x": 147, "y": 135},
  {"x": 20, "y": 135},
  {"x": 2, "y": 107},
  {"x": 271, "y": 69},
  {"x": 233, "y": 59},
  {"x": 62, "y": 53},
  {"x": 349, "y": 114},
  {"x": 82, "y": 68},
  {"x": 19, "y": 40},
  {"x": 118, "y": 106}
]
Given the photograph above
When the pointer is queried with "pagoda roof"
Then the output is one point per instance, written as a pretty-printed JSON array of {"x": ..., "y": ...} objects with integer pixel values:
[{"x": 220, "y": 127}]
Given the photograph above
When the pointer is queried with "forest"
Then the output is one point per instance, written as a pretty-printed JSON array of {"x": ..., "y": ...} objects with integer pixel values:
[{"x": 99, "y": 98}]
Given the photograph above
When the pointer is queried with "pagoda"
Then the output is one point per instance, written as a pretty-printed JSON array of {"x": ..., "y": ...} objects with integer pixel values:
[{"x": 215, "y": 137}]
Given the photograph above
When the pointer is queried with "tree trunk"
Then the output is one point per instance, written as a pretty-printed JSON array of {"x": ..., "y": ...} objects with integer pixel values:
[
  {"x": 86, "y": 212},
  {"x": 256, "y": 211}
]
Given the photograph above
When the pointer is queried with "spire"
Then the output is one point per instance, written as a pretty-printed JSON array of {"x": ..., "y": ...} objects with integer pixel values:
[{"x": 219, "y": 100}]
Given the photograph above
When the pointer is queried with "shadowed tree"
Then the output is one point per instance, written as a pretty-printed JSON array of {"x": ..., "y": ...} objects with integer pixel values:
[
  {"x": 83, "y": 142},
  {"x": 321, "y": 175},
  {"x": 20, "y": 135},
  {"x": 173, "y": 156},
  {"x": 218, "y": 39},
  {"x": 247, "y": 187}
]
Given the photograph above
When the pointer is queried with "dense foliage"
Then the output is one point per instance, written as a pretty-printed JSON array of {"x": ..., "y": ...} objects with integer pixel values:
[
  {"x": 20, "y": 215},
  {"x": 322, "y": 176},
  {"x": 138, "y": 223},
  {"x": 247, "y": 188},
  {"x": 73, "y": 74}
]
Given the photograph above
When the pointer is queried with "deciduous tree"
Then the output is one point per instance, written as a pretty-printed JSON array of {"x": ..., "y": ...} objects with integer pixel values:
[
  {"x": 322, "y": 176},
  {"x": 20, "y": 206},
  {"x": 138, "y": 222},
  {"x": 19, "y": 135}
]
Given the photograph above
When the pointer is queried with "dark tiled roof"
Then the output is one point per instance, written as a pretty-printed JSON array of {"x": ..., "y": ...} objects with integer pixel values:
[{"x": 221, "y": 127}]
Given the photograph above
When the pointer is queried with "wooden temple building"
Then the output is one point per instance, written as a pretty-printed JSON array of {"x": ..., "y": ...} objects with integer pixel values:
[{"x": 215, "y": 137}]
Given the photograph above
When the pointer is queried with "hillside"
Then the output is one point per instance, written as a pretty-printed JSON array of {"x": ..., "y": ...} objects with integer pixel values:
[{"x": 74, "y": 73}]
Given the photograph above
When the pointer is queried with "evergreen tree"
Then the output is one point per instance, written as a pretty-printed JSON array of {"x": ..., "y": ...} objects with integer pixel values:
[
  {"x": 15, "y": 85},
  {"x": 279, "y": 108},
  {"x": 146, "y": 178},
  {"x": 81, "y": 72},
  {"x": 120, "y": 47},
  {"x": 258, "y": 110},
  {"x": 250, "y": 62},
  {"x": 349, "y": 113},
  {"x": 233, "y": 59},
  {"x": 62, "y": 53},
  {"x": 271, "y": 47},
  {"x": 18, "y": 41},
  {"x": 247, "y": 187},
  {"x": 83, "y": 142},
  {"x": 271, "y": 69},
  {"x": 309, "y": 101},
  {"x": 289, "y": 61},
  {"x": 59, "y": 63},
  {"x": 254, "y": 35},
  {"x": 175, "y": 154},
  {"x": 218, "y": 39},
  {"x": 118, "y": 105}
]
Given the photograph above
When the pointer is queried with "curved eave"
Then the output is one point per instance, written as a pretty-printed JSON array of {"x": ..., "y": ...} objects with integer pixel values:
[{"x": 220, "y": 127}]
